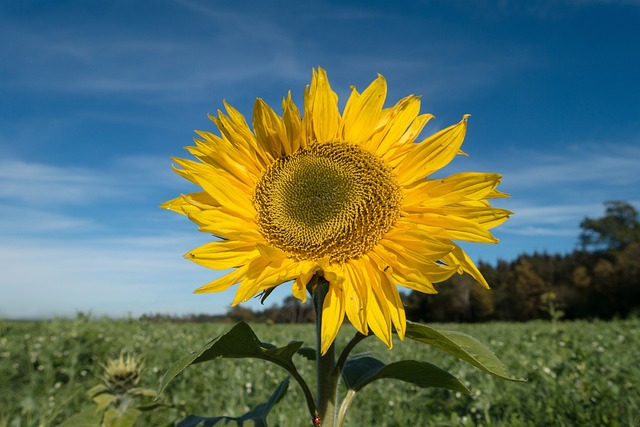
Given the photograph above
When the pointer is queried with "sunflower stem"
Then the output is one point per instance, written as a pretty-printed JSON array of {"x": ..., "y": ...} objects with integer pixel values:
[{"x": 327, "y": 376}]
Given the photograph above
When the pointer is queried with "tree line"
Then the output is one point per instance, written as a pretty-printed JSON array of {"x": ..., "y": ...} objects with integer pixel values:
[{"x": 599, "y": 279}]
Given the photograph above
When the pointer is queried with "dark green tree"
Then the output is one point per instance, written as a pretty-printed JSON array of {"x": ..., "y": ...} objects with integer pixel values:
[{"x": 614, "y": 231}]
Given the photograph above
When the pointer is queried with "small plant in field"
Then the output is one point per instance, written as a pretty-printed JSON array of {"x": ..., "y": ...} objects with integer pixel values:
[
  {"x": 117, "y": 401},
  {"x": 549, "y": 303}
]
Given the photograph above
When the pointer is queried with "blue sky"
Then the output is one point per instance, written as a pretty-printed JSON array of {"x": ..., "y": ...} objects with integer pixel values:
[{"x": 95, "y": 97}]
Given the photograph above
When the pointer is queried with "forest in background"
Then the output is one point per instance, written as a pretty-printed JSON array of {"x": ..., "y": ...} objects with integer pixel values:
[{"x": 599, "y": 279}]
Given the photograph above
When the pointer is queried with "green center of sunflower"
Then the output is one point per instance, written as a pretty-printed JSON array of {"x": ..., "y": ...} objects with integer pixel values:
[{"x": 332, "y": 199}]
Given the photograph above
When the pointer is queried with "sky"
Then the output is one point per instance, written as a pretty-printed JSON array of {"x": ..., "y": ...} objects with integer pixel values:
[{"x": 96, "y": 97}]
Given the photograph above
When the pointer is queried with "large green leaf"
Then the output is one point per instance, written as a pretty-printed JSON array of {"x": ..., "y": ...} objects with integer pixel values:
[
  {"x": 363, "y": 369},
  {"x": 258, "y": 414},
  {"x": 240, "y": 341},
  {"x": 461, "y": 346}
]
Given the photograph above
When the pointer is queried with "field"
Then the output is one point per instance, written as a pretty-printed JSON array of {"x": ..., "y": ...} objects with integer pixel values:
[{"x": 579, "y": 374}]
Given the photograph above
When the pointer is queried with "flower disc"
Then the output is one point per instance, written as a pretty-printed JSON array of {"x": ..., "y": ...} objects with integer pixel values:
[{"x": 331, "y": 200}]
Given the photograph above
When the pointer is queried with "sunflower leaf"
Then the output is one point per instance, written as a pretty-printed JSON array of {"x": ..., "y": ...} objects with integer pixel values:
[
  {"x": 240, "y": 341},
  {"x": 462, "y": 346},
  {"x": 308, "y": 353},
  {"x": 258, "y": 414},
  {"x": 363, "y": 369}
]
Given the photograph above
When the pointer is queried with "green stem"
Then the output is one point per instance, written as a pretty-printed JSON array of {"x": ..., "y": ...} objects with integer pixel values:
[
  {"x": 348, "y": 398},
  {"x": 325, "y": 364},
  {"x": 342, "y": 412},
  {"x": 303, "y": 385}
]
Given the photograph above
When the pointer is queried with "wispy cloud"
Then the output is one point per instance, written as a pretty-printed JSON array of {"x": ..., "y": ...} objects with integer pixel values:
[
  {"x": 605, "y": 164},
  {"x": 39, "y": 184},
  {"x": 553, "y": 191},
  {"x": 22, "y": 220},
  {"x": 116, "y": 276}
]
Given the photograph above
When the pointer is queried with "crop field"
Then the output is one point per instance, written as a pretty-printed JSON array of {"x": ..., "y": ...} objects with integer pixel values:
[{"x": 579, "y": 374}]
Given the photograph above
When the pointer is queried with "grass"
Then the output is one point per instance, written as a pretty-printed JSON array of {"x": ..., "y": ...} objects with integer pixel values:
[{"x": 582, "y": 373}]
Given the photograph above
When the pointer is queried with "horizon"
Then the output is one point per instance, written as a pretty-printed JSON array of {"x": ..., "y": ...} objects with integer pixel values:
[{"x": 97, "y": 97}]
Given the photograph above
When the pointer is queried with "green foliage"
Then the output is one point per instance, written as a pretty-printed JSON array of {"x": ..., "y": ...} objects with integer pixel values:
[
  {"x": 460, "y": 345},
  {"x": 242, "y": 342},
  {"x": 586, "y": 285},
  {"x": 614, "y": 231},
  {"x": 586, "y": 373},
  {"x": 364, "y": 369}
]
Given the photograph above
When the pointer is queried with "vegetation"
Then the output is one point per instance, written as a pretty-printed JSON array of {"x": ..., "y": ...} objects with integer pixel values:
[
  {"x": 583, "y": 373},
  {"x": 579, "y": 372}
]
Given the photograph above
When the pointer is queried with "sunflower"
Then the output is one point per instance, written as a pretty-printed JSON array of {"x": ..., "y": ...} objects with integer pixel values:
[{"x": 347, "y": 196}]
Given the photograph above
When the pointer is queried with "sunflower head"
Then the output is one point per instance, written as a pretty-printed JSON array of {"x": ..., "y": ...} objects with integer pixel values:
[
  {"x": 346, "y": 195},
  {"x": 330, "y": 200},
  {"x": 122, "y": 374}
]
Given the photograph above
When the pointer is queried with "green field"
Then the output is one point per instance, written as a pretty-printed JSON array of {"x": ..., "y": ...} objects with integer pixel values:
[{"x": 582, "y": 374}]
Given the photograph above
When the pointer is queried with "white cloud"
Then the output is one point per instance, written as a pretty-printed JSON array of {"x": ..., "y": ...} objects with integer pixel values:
[
  {"x": 115, "y": 276},
  {"x": 24, "y": 220},
  {"x": 37, "y": 183},
  {"x": 604, "y": 164}
]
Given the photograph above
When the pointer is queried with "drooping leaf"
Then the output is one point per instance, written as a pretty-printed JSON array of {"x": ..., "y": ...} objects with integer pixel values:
[
  {"x": 359, "y": 367},
  {"x": 461, "y": 346},
  {"x": 240, "y": 341},
  {"x": 258, "y": 414},
  {"x": 362, "y": 370}
]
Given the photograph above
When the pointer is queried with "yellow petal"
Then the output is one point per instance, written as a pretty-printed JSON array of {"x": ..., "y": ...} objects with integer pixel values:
[
  {"x": 363, "y": 111},
  {"x": 394, "y": 303},
  {"x": 223, "y": 282},
  {"x": 321, "y": 113},
  {"x": 236, "y": 160},
  {"x": 293, "y": 124},
  {"x": 378, "y": 316},
  {"x": 431, "y": 154},
  {"x": 407, "y": 237},
  {"x": 452, "y": 189},
  {"x": 225, "y": 224},
  {"x": 223, "y": 254},
  {"x": 486, "y": 217},
  {"x": 411, "y": 270},
  {"x": 405, "y": 144},
  {"x": 451, "y": 227},
  {"x": 268, "y": 272},
  {"x": 270, "y": 130},
  {"x": 332, "y": 316},
  {"x": 459, "y": 256},
  {"x": 356, "y": 296},
  {"x": 190, "y": 203},
  {"x": 224, "y": 193},
  {"x": 299, "y": 289},
  {"x": 397, "y": 121},
  {"x": 234, "y": 128}
]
